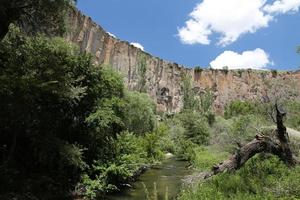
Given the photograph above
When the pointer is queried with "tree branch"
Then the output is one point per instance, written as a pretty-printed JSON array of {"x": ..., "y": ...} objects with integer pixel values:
[{"x": 278, "y": 146}]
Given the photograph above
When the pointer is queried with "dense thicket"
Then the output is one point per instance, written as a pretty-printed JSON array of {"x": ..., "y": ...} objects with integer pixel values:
[
  {"x": 69, "y": 127},
  {"x": 63, "y": 121}
]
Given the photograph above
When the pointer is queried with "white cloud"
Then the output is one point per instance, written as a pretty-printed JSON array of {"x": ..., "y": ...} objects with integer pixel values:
[
  {"x": 282, "y": 6},
  {"x": 256, "y": 59},
  {"x": 112, "y": 35},
  {"x": 230, "y": 18},
  {"x": 137, "y": 45}
]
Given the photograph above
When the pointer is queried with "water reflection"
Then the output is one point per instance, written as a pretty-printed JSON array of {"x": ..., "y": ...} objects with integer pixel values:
[{"x": 165, "y": 179}]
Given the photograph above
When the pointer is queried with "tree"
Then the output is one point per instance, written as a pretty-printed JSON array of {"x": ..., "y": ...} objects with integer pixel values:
[
  {"x": 196, "y": 127},
  {"x": 139, "y": 113},
  {"x": 189, "y": 101},
  {"x": 59, "y": 114},
  {"x": 238, "y": 107},
  {"x": 141, "y": 70},
  {"x": 276, "y": 142},
  {"x": 46, "y": 16},
  {"x": 201, "y": 102}
]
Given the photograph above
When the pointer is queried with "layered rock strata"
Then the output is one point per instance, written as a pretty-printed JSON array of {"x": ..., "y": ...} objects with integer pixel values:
[{"x": 163, "y": 80}]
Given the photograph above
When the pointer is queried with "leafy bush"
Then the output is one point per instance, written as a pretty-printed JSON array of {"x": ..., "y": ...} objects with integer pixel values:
[
  {"x": 131, "y": 152},
  {"x": 196, "y": 127},
  {"x": 293, "y": 115},
  {"x": 237, "y": 107},
  {"x": 151, "y": 144},
  {"x": 139, "y": 114},
  {"x": 63, "y": 121},
  {"x": 189, "y": 101},
  {"x": 185, "y": 132}
]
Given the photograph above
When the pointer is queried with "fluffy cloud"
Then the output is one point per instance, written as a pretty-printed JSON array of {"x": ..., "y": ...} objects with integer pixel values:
[
  {"x": 283, "y": 6},
  {"x": 256, "y": 59},
  {"x": 231, "y": 19},
  {"x": 137, "y": 45}
]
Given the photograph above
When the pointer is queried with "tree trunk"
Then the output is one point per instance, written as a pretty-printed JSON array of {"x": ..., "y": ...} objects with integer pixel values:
[{"x": 278, "y": 146}]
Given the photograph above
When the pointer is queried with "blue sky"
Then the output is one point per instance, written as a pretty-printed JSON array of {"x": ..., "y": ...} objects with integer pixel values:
[{"x": 236, "y": 33}]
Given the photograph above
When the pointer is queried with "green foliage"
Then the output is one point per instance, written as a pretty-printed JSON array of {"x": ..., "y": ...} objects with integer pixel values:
[
  {"x": 46, "y": 95},
  {"x": 274, "y": 73},
  {"x": 152, "y": 144},
  {"x": 293, "y": 117},
  {"x": 237, "y": 107},
  {"x": 104, "y": 177},
  {"x": 185, "y": 132},
  {"x": 263, "y": 177},
  {"x": 185, "y": 149},
  {"x": 240, "y": 72},
  {"x": 241, "y": 127},
  {"x": 201, "y": 103},
  {"x": 64, "y": 120},
  {"x": 46, "y": 16},
  {"x": 198, "y": 69},
  {"x": 206, "y": 157},
  {"x": 204, "y": 105},
  {"x": 188, "y": 93},
  {"x": 142, "y": 69},
  {"x": 131, "y": 153},
  {"x": 176, "y": 139},
  {"x": 229, "y": 134},
  {"x": 196, "y": 127},
  {"x": 139, "y": 113}
]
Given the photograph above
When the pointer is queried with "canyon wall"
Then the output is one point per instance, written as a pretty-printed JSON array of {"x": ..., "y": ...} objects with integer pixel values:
[{"x": 163, "y": 79}]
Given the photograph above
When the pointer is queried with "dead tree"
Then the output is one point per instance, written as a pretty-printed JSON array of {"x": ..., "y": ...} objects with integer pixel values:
[{"x": 278, "y": 146}]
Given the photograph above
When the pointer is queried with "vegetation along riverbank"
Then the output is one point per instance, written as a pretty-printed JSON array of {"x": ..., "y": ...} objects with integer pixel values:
[{"x": 71, "y": 128}]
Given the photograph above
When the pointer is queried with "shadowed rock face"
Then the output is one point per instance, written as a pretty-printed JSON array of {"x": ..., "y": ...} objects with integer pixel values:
[{"x": 163, "y": 79}]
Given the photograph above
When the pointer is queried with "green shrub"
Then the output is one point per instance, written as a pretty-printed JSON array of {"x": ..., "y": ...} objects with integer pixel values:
[
  {"x": 262, "y": 177},
  {"x": 198, "y": 69},
  {"x": 237, "y": 107},
  {"x": 151, "y": 145},
  {"x": 139, "y": 116},
  {"x": 142, "y": 69},
  {"x": 293, "y": 114},
  {"x": 185, "y": 149},
  {"x": 274, "y": 73},
  {"x": 189, "y": 101},
  {"x": 196, "y": 127},
  {"x": 63, "y": 121}
]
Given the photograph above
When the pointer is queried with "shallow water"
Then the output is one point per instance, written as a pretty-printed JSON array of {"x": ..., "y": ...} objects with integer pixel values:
[{"x": 167, "y": 178}]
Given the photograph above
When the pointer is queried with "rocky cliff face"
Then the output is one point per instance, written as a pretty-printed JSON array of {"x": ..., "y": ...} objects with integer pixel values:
[{"x": 163, "y": 79}]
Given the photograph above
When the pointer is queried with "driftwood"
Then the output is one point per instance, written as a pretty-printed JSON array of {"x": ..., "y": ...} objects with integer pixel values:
[{"x": 278, "y": 146}]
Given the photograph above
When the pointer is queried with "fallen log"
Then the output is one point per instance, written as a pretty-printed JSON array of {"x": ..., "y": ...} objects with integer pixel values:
[{"x": 278, "y": 145}]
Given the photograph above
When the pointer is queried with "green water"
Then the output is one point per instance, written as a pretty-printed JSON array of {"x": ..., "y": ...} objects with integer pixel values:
[{"x": 167, "y": 178}]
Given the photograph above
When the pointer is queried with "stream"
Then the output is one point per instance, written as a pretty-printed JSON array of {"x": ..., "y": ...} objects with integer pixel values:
[{"x": 166, "y": 176}]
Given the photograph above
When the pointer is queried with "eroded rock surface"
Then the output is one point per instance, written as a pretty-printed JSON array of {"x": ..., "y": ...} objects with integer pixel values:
[{"x": 163, "y": 79}]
